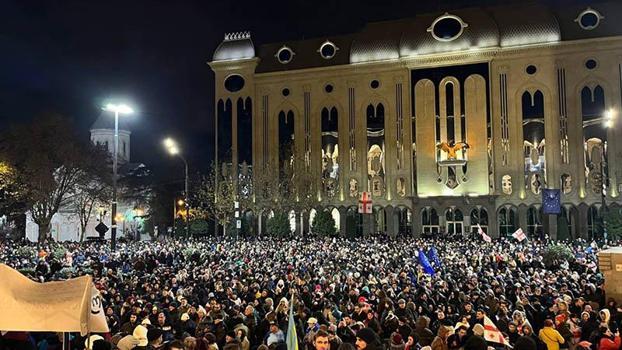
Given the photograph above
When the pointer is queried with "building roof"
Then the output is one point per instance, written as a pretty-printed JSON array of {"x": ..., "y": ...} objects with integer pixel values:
[
  {"x": 482, "y": 27},
  {"x": 105, "y": 121},
  {"x": 235, "y": 46}
]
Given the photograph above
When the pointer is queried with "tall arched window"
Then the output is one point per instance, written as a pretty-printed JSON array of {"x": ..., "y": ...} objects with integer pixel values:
[
  {"x": 594, "y": 223},
  {"x": 245, "y": 127},
  {"x": 533, "y": 139},
  {"x": 330, "y": 150},
  {"x": 376, "y": 150},
  {"x": 594, "y": 136},
  {"x": 534, "y": 222},
  {"x": 507, "y": 221},
  {"x": 286, "y": 144},
  {"x": 479, "y": 216},
  {"x": 454, "y": 221},
  {"x": 224, "y": 111},
  {"x": 429, "y": 221}
]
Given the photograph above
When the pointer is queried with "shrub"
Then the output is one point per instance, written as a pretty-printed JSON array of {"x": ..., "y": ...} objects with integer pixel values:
[
  {"x": 555, "y": 255},
  {"x": 199, "y": 227},
  {"x": 324, "y": 224},
  {"x": 278, "y": 225}
]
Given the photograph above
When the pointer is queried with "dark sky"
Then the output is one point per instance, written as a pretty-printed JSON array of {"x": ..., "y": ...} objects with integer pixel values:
[{"x": 69, "y": 56}]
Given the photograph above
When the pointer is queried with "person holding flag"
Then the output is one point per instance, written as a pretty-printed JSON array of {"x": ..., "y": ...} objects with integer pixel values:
[
  {"x": 425, "y": 263},
  {"x": 485, "y": 237},
  {"x": 493, "y": 334},
  {"x": 292, "y": 336},
  {"x": 519, "y": 235}
]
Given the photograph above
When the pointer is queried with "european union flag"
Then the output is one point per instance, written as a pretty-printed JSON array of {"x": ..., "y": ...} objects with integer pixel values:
[
  {"x": 551, "y": 201},
  {"x": 433, "y": 254},
  {"x": 423, "y": 260}
]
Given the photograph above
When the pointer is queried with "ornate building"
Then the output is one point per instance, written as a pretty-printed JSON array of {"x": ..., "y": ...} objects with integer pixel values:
[{"x": 449, "y": 119}]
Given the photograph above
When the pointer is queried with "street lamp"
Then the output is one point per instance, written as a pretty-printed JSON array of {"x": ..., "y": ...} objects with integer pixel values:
[
  {"x": 173, "y": 149},
  {"x": 116, "y": 109}
]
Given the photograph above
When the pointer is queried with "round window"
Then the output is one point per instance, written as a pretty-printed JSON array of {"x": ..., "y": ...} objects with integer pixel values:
[
  {"x": 591, "y": 64},
  {"x": 328, "y": 88},
  {"x": 285, "y": 55},
  {"x": 447, "y": 27},
  {"x": 328, "y": 50},
  {"x": 531, "y": 69},
  {"x": 374, "y": 84},
  {"x": 234, "y": 83},
  {"x": 285, "y": 92},
  {"x": 589, "y": 19}
]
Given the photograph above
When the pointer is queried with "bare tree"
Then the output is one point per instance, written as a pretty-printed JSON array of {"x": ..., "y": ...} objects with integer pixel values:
[{"x": 50, "y": 162}]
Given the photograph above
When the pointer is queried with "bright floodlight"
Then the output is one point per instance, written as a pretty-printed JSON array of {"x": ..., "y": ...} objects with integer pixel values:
[
  {"x": 120, "y": 108},
  {"x": 169, "y": 142},
  {"x": 173, "y": 150}
]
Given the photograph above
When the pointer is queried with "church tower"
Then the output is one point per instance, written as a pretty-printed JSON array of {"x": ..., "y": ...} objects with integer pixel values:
[{"x": 102, "y": 133}]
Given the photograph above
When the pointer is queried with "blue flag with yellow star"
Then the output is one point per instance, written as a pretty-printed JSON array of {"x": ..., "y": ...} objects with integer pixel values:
[{"x": 551, "y": 201}]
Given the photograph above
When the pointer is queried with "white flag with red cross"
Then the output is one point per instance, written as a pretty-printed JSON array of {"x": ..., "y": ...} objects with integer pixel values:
[
  {"x": 365, "y": 203},
  {"x": 485, "y": 237},
  {"x": 519, "y": 235},
  {"x": 492, "y": 333}
]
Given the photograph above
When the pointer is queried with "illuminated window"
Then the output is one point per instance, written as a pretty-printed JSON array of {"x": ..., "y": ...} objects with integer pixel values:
[
  {"x": 328, "y": 50},
  {"x": 447, "y": 27},
  {"x": 285, "y": 55},
  {"x": 589, "y": 19}
]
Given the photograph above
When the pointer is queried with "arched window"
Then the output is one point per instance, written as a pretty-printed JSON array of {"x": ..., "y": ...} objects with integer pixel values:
[
  {"x": 245, "y": 126},
  {"x": 429, "y": 221},
  {"x": 507, "y": 221},
  {"x": 479, "y": 216},
  {"x": 330, "y": 150},
  {"x": 594, "y": 223},
  {"x": 534, "y": 222},
  {"x": 453, "y": 221},
  {"x": 404, "y": 220},
  {"x": 224, "y": 111}
]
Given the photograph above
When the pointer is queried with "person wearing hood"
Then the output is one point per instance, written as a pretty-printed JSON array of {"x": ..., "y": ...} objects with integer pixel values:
[
  {"x": 367, "y": 339},
  {"x": 423, "y": 333},
  {"x": 550, "y": 336},
  {"x": 588, "y": 326},
  {"x": 605, "y": 319}
]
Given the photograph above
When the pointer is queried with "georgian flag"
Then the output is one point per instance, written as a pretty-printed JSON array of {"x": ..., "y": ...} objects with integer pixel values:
[
  {"x": 492, "y": 333},
  {"x": 519, "y": 235},
  {"x": 485, "y": 237}
]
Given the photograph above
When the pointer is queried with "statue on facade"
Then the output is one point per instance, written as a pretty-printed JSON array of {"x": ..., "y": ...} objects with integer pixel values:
[
  {"x": 451, "y": 148},
  {"x": 506, "y": 184},
  {"x": 566, "y": 183},
  {"x": 354, "y": 188}
]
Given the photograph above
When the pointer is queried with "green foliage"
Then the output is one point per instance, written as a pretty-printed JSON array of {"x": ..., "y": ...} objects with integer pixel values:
[
  {"x": 188, "y": 252},
  {"x": 26, "y": 252},
  {"x": 324, "y": 224},
  {"x": 278, "y": 225},
  {"x": 556, "y": 254},
  {"x": 614, "y": 223},
  {"x": 199, "y": 227},
  {"x": 58, "y": 251}
]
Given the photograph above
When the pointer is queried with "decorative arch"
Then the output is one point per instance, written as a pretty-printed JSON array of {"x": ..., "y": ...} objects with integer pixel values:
[
  {"x": 535, "y": 227},
  {"x": 224, "y": 111},
  {"x": 533, "y": 112},
  {"x": 403, "y": 217},
  {"x": 430, "y": 222},
  {"x": 245, "y": 124}
]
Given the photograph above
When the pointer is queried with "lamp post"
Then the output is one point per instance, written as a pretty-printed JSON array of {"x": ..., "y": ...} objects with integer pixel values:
[
  {"x": 173, "y": 149},
  {"x": 116, "y": 109}
]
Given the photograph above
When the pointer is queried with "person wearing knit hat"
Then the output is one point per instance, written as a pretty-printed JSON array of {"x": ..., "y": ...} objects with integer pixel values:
[
  {"x": 397, "y": 343},
  {"x": 367, "y": 339}
]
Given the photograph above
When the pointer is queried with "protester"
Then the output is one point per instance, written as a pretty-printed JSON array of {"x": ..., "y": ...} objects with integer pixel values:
[{"x": 215, "y": 293}]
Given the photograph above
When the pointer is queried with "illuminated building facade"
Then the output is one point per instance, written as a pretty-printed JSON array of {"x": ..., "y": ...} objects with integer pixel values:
[{"x": 449, "y": 120}]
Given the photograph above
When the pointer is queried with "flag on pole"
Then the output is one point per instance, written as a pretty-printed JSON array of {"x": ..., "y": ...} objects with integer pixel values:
[
  {"x": 423, "y": 260},
  {"x": 485, "y": 237},
  {"x": 292, "y": 336},
  {"x": 519, "y": 235},
  {"x": 433, "y": 254},
  {"x": 492, "y": 333}
]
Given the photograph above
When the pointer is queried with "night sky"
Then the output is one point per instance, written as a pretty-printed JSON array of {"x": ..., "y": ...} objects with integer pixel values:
[{"x": 70, "y": 56}]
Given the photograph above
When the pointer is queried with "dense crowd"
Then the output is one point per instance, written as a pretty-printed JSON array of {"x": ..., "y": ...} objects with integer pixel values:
[{"x": 371, "y": 293}]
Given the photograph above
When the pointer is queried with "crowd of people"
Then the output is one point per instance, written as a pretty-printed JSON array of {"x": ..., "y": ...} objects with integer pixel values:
[{"x": 366, "y": 294}]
